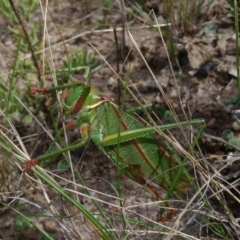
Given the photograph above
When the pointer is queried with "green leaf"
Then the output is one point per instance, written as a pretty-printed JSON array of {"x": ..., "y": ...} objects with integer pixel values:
[
  {"x": 27, "y": 119},
  {"x": 5, "y": 5},
  {"x": 160, "y": 111},
  {"x": 227, "y": 134},
  {"x": 235, "y": 142},
  {"x": 63, "y": 165},
  {"x": 211, "y": 29},
  {"x": 230, "y": 101},
  {"x": 168, "y": 116},
  {"x": 20, "y": 224},
  {"x": 44, "y": 237}
]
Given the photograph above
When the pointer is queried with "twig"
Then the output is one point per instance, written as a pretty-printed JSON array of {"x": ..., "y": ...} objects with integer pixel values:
[
  {"x": 27, "y": 39},
  {"x": 219, "y": 140},
  {"x": 227, "y": 110},
  {"x": 118, "y": 69}
]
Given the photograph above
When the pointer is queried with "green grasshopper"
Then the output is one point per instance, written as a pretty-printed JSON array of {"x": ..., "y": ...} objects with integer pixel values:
[{"x": 119, "y": 135}]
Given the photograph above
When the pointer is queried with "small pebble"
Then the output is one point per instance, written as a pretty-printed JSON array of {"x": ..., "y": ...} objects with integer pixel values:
[{"x": 236, "y": 126}]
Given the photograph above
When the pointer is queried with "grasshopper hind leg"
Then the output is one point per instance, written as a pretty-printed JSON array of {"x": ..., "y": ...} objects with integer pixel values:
[{"x": 142, "y": 181}]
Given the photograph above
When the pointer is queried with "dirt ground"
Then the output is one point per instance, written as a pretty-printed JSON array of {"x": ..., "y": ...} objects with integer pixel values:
[{"x": 200, "y": 83}]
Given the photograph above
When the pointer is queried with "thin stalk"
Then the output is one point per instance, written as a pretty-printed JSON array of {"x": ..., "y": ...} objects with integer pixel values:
[
  {"x": 12, "y": 75},
  {"x": 237, "y": 45}
]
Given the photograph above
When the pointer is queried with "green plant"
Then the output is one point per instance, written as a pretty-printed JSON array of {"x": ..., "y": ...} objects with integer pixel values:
[
  {"x": 26, "y": 8},
  {"x": 80, "y": 59},
  {"x": 234, "y": 11},
  {"x": 18, "y": 16},
  {"x": 20, "y": 224}
]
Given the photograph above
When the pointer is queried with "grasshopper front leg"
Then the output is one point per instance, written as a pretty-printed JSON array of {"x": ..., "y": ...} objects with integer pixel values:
[{"x": 85, "y": 137}]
